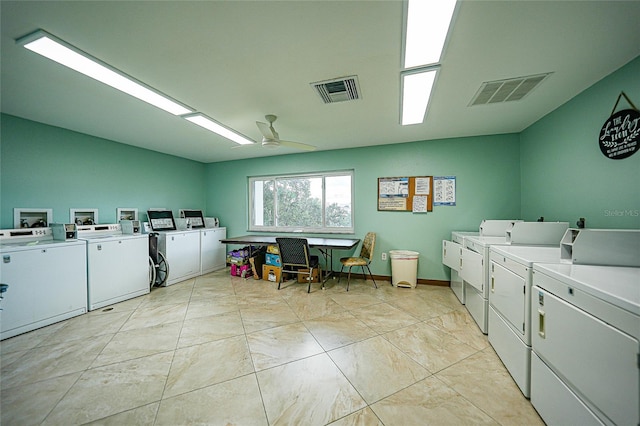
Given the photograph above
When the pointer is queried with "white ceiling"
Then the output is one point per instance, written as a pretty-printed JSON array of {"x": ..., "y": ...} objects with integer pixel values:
[{"x": 236, "y": 61}]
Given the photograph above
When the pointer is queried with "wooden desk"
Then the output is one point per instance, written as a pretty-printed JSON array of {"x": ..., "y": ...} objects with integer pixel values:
[{"x": 324, "y": 245}]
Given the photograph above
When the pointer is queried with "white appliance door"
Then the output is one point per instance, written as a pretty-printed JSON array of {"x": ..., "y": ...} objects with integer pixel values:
[
  {"x": 457, "y": 286},
  {"x": 183, "y": 255},
  {"x": 554, "y": 401},
  {"x": 507, "y": 294},
  {"x": 451, "y": 254},
  {"x": 212, "y": 251},
  {"x": 118, "y": 270},
  {"x": 46, "y": 285},
  {"x": 472, "y": 270},
  {"x": 597, "y": 360}
]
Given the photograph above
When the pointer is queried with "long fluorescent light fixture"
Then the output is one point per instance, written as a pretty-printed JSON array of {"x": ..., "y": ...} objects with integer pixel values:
[
  {"x": 65, "y": 54},
  {"x": 427, "y": 25},
  {"x": 207, "y": 123},
  {"x": 416, "y": 92}
]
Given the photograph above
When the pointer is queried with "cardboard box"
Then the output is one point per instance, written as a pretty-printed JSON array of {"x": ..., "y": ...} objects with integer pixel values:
[
  {"x": 316, "y": 276},
  {"x": 272, "y": 259},
  {"x": 273, "y": 249},
  {"x": 271, "y": 273}
]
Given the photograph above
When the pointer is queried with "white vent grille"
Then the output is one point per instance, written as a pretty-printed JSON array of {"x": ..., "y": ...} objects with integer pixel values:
[
  {"x": 513, "y": 89},
  {"x": 338, "y": 90}
]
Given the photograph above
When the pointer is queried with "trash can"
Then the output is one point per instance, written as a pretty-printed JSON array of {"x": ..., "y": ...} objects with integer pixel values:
[{"x": 404, "y": 268}]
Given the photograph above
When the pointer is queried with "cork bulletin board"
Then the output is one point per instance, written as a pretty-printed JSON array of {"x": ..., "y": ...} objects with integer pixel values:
[{"x": 405, "y": 194}]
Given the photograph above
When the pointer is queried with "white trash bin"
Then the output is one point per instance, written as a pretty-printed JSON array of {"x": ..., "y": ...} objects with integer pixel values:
[{"x": 404, "y": 268}]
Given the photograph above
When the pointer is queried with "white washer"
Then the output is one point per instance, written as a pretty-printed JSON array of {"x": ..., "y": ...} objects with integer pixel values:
[
  {"x": 213, "y": 254},
  {"x": 511, "y": 273},
  {"x": 585, "y": 341},
  {"x": 47, "y": 279},
  {"x": 117, "y": 264},
  {"x": 452, "y": 257},
  {"x": 182, "y": 251}
]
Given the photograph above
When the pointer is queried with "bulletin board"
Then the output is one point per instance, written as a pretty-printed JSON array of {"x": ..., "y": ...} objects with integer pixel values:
[{"x": 405, "y": 194}]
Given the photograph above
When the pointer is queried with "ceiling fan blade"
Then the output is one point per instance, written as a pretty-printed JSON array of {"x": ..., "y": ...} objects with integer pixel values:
[
  {"x": 245, "y": 146},
  {"x": 266, "y": 130},
  {"x": 298, "y": 145}
]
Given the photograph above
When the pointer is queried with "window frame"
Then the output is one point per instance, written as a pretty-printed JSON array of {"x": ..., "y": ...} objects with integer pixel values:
[{"x": 323, "y": 229}]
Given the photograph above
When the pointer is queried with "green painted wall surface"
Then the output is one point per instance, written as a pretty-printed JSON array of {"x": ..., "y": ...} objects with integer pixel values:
[
  {"x": 564, "y": 174},
  {"x": 49, "y": 167},
  {"x": 488, "y": 186}
]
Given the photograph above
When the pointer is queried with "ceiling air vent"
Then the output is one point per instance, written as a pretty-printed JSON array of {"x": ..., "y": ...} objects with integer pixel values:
[
  {"x": 513, "y": 89},
  {"x": 338, "y": 90}
]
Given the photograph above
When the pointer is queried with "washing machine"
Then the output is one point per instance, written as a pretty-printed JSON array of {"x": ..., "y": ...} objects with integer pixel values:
[
  {"x": 117, "y": 264},
  {"x": 586, "y": 331},
  {"x": 476, "y": 262},
  {"x": 452, "y": 257},
  {"x": 181, "y": 247},
  {"x": 511, "y": 273},
  {"x": 46, "y": 278}
]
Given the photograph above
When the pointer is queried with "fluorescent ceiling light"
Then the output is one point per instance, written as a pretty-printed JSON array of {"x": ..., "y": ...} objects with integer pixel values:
[
  {"x": 59, "y": 51},
  {"x": 427, "y": 25},
  {"x": 204, "y": 121},
  {"x": 416, "y": 91}
]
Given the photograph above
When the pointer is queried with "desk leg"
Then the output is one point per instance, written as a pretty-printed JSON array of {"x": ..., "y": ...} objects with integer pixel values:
[{"x": 328, "y": 262}]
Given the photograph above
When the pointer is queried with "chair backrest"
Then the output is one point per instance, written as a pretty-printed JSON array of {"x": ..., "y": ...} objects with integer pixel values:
[
  {"x": 368, "y": 245},
  {"x": 293, "y": 251}
]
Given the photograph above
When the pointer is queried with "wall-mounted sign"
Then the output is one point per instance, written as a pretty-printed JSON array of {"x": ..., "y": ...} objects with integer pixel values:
[{"x": 620, "y": 134}]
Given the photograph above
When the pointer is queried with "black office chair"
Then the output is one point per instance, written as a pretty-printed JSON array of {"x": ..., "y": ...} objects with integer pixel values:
[{"x": 294, "y": 256}]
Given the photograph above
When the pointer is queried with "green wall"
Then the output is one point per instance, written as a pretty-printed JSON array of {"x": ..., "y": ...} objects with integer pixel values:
[
  {"x": 488, "y": 186},
  {"x": 49, "y": 167},
  {"x": 564, "y": 174},
  {"x": 552, "y": 169}
]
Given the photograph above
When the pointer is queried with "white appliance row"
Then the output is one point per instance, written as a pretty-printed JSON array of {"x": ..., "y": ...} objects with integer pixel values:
[
  {"x": 568, "y": 331},
  {"x": 470, "y": 258},
  {"x": 90, "y": 267}
]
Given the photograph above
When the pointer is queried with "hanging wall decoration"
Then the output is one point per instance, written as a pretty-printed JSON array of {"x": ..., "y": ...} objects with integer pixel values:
[{"x": 620, "y": 134}]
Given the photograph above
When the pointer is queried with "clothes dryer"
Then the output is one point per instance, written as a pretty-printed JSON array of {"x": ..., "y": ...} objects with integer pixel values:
[
  {"x": 585, "y": 342},
  {"x": 117, "y": 264},
  {"x": 511, "y": 273}
]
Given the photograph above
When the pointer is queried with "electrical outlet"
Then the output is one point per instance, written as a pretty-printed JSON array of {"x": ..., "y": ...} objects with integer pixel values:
[{"x": 384, "y": 256}]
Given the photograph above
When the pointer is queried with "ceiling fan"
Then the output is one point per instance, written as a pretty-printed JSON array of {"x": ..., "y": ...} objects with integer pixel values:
[{"x": 271, "y": 139}]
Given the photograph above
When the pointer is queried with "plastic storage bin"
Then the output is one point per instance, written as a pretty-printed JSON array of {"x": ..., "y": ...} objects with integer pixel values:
[{"x": 404, "y": 268}]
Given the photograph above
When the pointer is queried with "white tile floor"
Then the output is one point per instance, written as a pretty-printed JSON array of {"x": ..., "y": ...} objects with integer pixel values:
[{"x": 225, "y": 350}]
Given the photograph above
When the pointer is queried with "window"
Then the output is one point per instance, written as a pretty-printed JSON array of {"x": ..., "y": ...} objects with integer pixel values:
[{"x": 318, "y": 202}]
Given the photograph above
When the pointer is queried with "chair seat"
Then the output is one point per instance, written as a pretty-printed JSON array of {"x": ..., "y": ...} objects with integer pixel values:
[{"x": 353, "y": 261}]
